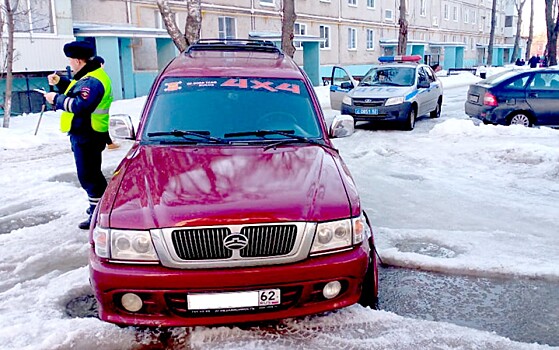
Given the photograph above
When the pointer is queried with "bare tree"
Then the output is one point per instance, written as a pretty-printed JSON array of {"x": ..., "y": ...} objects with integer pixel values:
[
  {"x": 192, "y": 26},
  {"x": 552, "y": 24},
  {"x": 519, "y": 5},
  {"x": 9, "y": 59},
  {"x": 492, "y": 33},
  {"x": 403, "y": 33},
  {"x": 287, "y": 24},
  {"x": 530, "y": 31}
]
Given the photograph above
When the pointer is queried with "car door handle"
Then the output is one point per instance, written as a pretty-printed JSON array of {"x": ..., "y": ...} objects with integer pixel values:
[{"x": 533, "y": 94}]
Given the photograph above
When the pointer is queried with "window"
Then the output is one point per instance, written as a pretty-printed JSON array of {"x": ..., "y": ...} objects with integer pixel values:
[
  {"x": 227, "y": 28},
  {"x": 508, "y": 21},
  {"x": 472, "y": 46},
  {"x": 325, "y": 34},
  {"x": 351, "y": 39},
  {"x": 423, "y": 10},
  {"x": 371, "y": 4},
  {"x": 388, "y": 16},
  {"x": 159, "y": 24},
  {"x": 299, "y": 29},
  {"x": 474, "y": 16},
  {"x": 466, "y": 16},
  {"x": 446, "y": 11},
  {"x": 370, "y": 39},
  {"x": 455, "y": 13},
  {"x": 34, "y": 16},
  {"x": 352, "y": 2},
  {"x": 267, "y": 2},
  {"x": 248, "y": 105}
]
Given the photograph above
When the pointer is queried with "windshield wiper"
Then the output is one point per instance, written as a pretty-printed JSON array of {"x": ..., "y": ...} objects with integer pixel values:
[
  {"x": 188, "y": 134},
  {"x": 287, "y": 133}
]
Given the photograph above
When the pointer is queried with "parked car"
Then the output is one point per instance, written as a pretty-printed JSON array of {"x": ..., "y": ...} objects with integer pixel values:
[
  {"x": 399, "y": 89},
  {"x": 232, "y": 205},
  {"x": 526, "y": 97}
]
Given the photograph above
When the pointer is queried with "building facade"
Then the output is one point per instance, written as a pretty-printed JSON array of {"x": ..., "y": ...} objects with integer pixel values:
[{"x": 131, "y": 36}]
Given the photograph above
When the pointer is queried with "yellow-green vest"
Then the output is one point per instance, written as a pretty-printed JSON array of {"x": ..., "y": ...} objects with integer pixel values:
[{"x": 100, "y": 116}]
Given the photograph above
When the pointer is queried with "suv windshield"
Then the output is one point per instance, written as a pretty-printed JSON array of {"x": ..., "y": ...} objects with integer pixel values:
[
  {"x": 220, "y": 106},
  {"x": 393, "y": 76}
]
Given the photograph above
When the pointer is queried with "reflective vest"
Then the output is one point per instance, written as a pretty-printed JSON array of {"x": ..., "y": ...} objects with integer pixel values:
[{"x": 100, "y": 116}]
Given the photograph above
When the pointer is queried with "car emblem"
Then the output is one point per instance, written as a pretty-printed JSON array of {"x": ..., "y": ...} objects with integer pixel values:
[
  {"x": 235, "y": 241},
  {"x": 368, "y": 100}
]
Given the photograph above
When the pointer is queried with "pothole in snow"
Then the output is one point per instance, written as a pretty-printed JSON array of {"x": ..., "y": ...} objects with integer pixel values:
[
  {"x": 82, "y": 306},
  {"x": 411, "y": 177},
  {"x": 21, "y": 220},
  {"x": 426, "y": 248},
  {"x": 71, "y": 178}
]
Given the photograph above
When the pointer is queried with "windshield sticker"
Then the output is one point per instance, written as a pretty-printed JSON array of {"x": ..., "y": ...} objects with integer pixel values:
[
  {"x": 210, "y": 83},
  {"x": 266, "y": 85},
  {"x": 173, "y": 86}
]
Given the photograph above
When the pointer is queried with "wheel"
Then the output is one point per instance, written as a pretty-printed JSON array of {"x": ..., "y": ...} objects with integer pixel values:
[
  {"x": 520, "y": 118},
  {"x": 437, "y": 111},
  {"x": 409, "y": 124},
  {"x": 369, "y": 290}
]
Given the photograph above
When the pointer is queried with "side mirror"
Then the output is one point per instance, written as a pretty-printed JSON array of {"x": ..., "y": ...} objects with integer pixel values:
[
  {"x": 342, "y": 126},
  {"x": 347, "y": 85},
  {"x": 423, "y": 84},
  {"x": 121, "y": 127}
]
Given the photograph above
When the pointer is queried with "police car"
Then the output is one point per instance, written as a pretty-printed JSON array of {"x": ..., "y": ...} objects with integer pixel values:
[{"x": 398, "y": 89}]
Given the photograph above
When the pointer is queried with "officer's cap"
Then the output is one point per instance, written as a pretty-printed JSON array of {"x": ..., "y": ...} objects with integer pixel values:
[{"x": 79, "y": 49}]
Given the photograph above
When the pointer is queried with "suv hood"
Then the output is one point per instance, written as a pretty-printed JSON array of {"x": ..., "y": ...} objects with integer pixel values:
[
  {"x": 185, "y": 186},
  {"x": 380, "y": 91}
]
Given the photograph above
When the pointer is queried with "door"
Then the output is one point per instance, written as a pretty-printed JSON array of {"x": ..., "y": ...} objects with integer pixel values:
[
  {"x": 341, "y": 82},
  {"x": 543, "y": 97},
  {"x": 426, "y": 97}
]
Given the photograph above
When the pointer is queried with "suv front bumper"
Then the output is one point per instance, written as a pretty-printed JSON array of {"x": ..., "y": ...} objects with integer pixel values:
[{"x": 164, "y": 290}]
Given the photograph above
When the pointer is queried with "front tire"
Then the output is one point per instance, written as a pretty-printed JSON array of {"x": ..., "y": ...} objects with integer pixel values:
[
  {"x": 369, "y": 290},
  {"x": 520, "y": 118},
  {"x": 436, "y": 113},
  {"x": 409, "y": 124}
]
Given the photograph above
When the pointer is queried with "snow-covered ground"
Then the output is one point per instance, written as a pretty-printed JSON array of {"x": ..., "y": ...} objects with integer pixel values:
[{"x": 451, "y": 196}]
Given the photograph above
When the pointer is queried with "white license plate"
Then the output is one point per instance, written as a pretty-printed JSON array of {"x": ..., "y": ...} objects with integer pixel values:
[
  {"x": 234, "y": 300},
  {"x": 370, "y": 111},
  {"x": 473, "y": 98}
]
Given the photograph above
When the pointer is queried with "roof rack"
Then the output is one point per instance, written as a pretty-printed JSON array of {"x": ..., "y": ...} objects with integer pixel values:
[{"x": 233, "y": 45}]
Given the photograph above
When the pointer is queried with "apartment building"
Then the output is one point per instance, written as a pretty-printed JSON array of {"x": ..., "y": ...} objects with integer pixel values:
[{"x": 130, "y": 34}]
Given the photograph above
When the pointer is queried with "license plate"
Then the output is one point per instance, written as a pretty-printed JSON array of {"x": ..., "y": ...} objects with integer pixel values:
[
  {"x": 473, "y": 98},
  {"x": 370, "y": 111},
  {"x": 234, "y": 300}
]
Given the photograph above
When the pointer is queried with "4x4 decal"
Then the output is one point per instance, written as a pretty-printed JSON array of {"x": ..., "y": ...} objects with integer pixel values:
[{"x": 257, "y": 84}]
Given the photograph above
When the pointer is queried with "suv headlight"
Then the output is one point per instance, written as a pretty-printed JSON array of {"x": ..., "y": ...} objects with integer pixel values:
[
  {"x": 346, "y": 100},
  {"x": 124, "y": 245},
  {"x": 394, "y": 101},
  {"x": 340, "y": 234}
]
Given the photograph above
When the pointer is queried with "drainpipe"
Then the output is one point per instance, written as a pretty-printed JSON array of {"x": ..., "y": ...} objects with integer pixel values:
[
  {"x": 252, "y": 19},
  {"x": 128, "y": 12},
  {"x": 339, "y": 32}
]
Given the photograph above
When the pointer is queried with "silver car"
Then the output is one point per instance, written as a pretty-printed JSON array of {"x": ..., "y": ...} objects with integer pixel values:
[{"x": 398, "y": 90}]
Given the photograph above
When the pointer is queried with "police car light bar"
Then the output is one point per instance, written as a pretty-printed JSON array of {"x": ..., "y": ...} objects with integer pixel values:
[{"x": 411, "y": 58}]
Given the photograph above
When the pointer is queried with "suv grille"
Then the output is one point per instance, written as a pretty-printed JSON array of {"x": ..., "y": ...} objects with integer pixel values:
[
  {"x": 369, "y": 102},
  {"x": 208, "y": 243}
]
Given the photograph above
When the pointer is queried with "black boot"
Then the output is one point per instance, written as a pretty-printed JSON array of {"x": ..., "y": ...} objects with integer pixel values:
[
  {"x": 90, "y": 209},
  {"x": 85, "y": 224}
]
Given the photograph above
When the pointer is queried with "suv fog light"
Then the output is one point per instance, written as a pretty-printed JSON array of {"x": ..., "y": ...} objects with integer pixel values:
[
  {"x": 131, "y": 302},
  {"x": 331, "y": 289}
]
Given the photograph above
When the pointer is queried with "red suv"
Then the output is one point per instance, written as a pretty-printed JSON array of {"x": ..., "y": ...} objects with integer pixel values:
[{"x": 232, "y": 205}]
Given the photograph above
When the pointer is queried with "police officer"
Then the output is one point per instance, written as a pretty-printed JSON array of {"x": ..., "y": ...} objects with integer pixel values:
[{"x": 85, "y": 101}]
